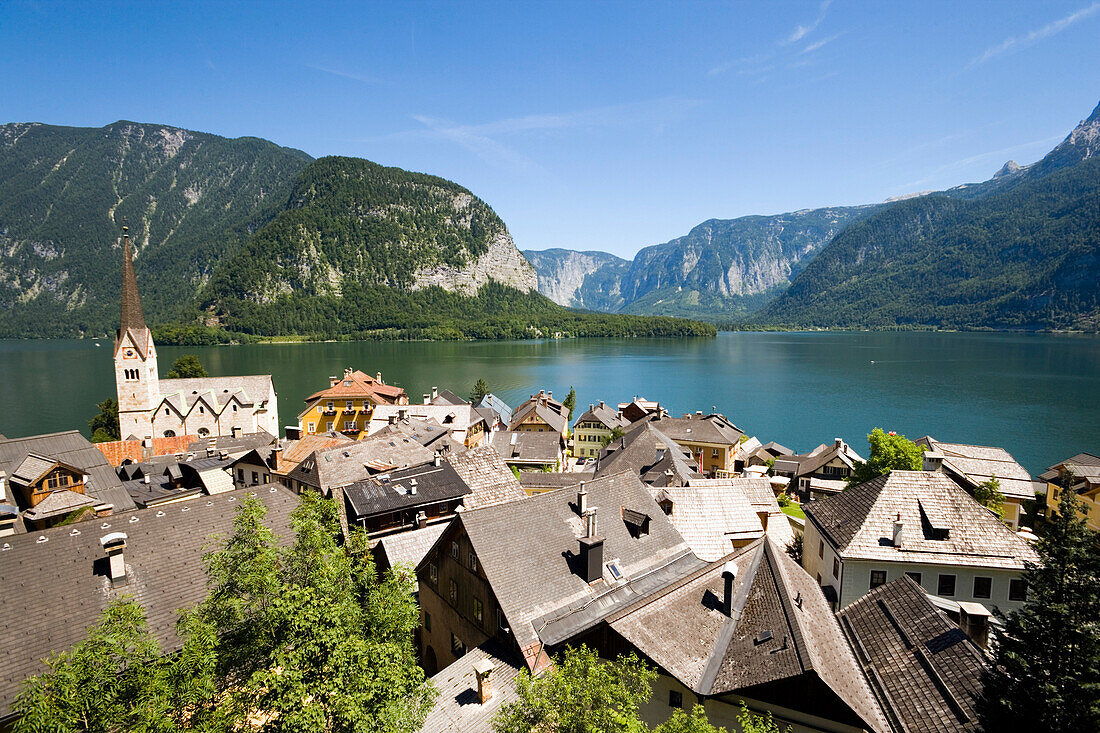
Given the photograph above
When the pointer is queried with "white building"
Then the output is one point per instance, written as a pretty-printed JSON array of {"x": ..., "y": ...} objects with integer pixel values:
[{"x": 152, "y": 407}]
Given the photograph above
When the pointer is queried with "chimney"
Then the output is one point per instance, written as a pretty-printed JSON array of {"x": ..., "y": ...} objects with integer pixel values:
[
  {"x": 437, "y": 459},
  {"x": 145, "y": 478},
  {"x": 591, "y": 551},
  {"x": 763, "y": 519},
  {"x": 515, "y": 437},
  {"x": 592, "y": 407},
  {"x": 582, "y": 500},
  {"x": 237, "y": 431},
  {"x": 838, "y": 443},
  {"x": 483, "y": 670},
  {"x": 276, "y": 457},
  {"x": 412, "y": 487},
  {"x": 427, "y": 399},
  {"x": 590, "y": 528},
  {"x": 729, "y": 574},
  {"x": 898, "y": 527},
  {"x": 601, "y": 403},
  {"x": 3, "y": 487},
  {"x": 293, "y": 432},
  {"x": 421, "y": 520},
  {"x": 435, "y": 393},
  {"x": 8, "y": 514},
  {"x": 223, "y": 455},
  {"x": 378, "y": 377},
  {"x": 347, "y": 373},
  {"x": 332, "y": 381},
  {"x": 402, "y": 414},
  {"x": 114, "y": 543},
  {"x": 933, "y": 461},
  {"x": 974, "y": 621}
]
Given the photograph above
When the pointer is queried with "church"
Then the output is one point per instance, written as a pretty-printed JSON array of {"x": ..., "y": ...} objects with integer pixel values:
[{"x": 149, "y": 406}]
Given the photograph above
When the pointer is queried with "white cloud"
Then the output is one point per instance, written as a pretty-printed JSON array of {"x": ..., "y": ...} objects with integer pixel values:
[
  {"x": 345, "y": 74},
  {"x": 818, "y": 44},
  {"x": 1038, "y": 34},
  {"x": 802, "y": 31}
]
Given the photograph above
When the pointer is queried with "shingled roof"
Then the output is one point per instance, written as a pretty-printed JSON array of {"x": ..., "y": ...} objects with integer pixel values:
[
  {"x": 780, "y": 628},
  {"x": 489, "y": 478},
  {"x": 355, "y": 461},
  {"x": 924, "y": 669},
  {"x": 975, "y": 464},
  {"x": 651, "y": 454},
  {"x": 549, "y": 410},
  {"x": 942, "y": 523},
  {"x": 526, "y": 447},
  {"x": 411, "y": 487},
  {"x": 457, "y": 708},
  {"x": 55, "y": 587},
  {"x": 698, "y": 428}
]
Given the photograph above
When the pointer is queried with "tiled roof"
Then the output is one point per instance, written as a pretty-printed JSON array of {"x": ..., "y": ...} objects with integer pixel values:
[
  {"x": 780, "y": 629},
  {"x": 409, "y": 547},
  {"x": 427, "y": 432},
  {"x": 362, "y": 385},
  {"x": 410, "y": 487},
  {"x": 710, "y": 518},
  {"x": 457, "y": 419},
  {"x": 543, "y": 480},
  {"x": 760, "y": 496},
  {"x": 355, "y": 461},
  {"x": 457, "y": 709},
  {"x": 806, "y": 463},
  {"x": 58, "y": 503},
  {"x": 245, "y": 442},
  {"x": 603, "y": 414},
  {"x": 118, "y": 451},
  {"x": 978, "y": 463},
  {"x": 928, "y": 673},
  {"x": 540, "y": 583},
  {"x": 651, "y": 454},
  {"x": 182, "y": 394},
  {"x": 713, "y": 428},
  {"x": 498, "y": 406},
  {"x": 489, "y": 478},
  {"x": 296, "y": 451},
  {"x": 447, "y": 397},
  {"x": 32, "y": 468},
  {"x": 55, "y": 588},
  {"x": 527, "y": 447},
  {"x": 859, "y": 522}
]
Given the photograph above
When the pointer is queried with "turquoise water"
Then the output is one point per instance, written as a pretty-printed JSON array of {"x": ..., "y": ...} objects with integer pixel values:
[{"x": 1037, "y": 395}]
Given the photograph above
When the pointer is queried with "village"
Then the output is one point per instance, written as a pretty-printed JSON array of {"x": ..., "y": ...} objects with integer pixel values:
[{"x": 741, "y": 571}]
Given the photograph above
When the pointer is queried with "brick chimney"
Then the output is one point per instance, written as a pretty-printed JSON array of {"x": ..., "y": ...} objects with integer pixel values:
[
  {"x": 114, "y": 544},
  {"x": 483, "y": 670}
]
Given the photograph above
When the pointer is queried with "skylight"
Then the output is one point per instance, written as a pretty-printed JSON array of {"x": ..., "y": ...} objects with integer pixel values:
[{"x": 615, "y": 570}]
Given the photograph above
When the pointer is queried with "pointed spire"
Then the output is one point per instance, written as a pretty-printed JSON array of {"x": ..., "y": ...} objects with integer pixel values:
[{"x": 131, "y": 317}]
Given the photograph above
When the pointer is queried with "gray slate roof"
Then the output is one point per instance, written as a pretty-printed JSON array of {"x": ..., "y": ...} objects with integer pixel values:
[
  {"x": 909, "y": 647},
  {"x": 859, "y": 523},
  {"x": 243, "y": 444},
  {"x": 543, "y": 480},
  {"x": 457, "y": 709},
  {"x": 650, "y": 453},
  {"x": 807, "y": 463},
  {"x": 346, "y": 464},
  {"x": 685, "y": 632},
  {"x": 604, "y": 414},
  {"x": 975, "y": 464},
  {"x": 54, "y": 589},
  {"x": 72, "y": 449},
  {"x": 549, "y": 410},
  {"x": 396, "y": 490},
  {"x": 711, "y": 513},
  {"x": 489, "y": 478},
  {"x": 712, "y": 428},
  {"x": 408, "y": 547},
  {"x": 533, "y": 448}
]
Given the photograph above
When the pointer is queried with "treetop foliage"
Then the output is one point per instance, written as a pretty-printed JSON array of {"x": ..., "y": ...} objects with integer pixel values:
[
  {"x": 889, "y": 451},
  {"x": 185, "y": 367}
]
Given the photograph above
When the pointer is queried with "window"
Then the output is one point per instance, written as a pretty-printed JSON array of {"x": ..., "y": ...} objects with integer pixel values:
[
  {"x": 878, "y": 577},
  {"x": 454, "y": 593},
  {"x": 329, "y": 426},
  {"x": 330, "y": 407},
  {"x": 234, "y": 408},
  {"x": 458, "y": 649},
  {"x": 946, "y": 585},
  {"x": 349, "y": 405},
  {"x": 836, "y": 568},
  {"x": 821, "y": 549},
  {"x": 427, "y": 622},
  {"x": 169, "y": 433},
  {"x": 202, "y": 409},
  {"x": 675, "y": 699},
  {"x": 713, "y": 452},
  {"x": 983, "y": 587},
  {"x": 311, "y": 427},
  {"x": 433, "y": 573},
  {"x": 473, "y": 561},
  {"x": 255, "y": 478},
  {"x": 478, "y": 611},
  {"x": 203, "y": 432},
  {"x": 915, "y": 576},
  {"x": 240, "y": 475},
  {"x": 454, "y": 550},
  {"x": 1017, "y": 589},
  {"x": 615, "y": 571},
  {"x": 167, "y": 411},
  {"x": 349, "y": 425}
]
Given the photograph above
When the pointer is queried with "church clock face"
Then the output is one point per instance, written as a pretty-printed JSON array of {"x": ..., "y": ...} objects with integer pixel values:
[{"x": 129, "y": 353}]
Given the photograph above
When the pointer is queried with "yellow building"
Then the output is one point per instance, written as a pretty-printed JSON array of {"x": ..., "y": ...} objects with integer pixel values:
[
  {"x": 712, "y": 439},
  {"x": 541, "y": 414},
  {"x": 347, "y": 405},
  {"x": 594, "y": 428},
  {"x": 1085, "y": 468}
]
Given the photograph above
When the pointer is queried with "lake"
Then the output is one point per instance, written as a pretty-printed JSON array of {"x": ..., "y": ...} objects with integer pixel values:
[{"x": 1037, "y": 395}]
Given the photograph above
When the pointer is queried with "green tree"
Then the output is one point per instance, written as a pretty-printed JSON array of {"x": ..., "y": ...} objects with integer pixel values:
[
  {"x": 1046, "y": 672},
  {"x": 988, "y": 494},
  {"x": 186, "y": 367},
  {"x": 570, "y": 402},
  {"x": 480, "y": 390},
  {"x": 579, "y": 694},
  {"x": 889, "y": 451},
  {"x": 794, "y": 548},
  {"x": 693, "y": 722},
  {"x": 104, "y": 425},
  {"x": 616, "y": 433}
]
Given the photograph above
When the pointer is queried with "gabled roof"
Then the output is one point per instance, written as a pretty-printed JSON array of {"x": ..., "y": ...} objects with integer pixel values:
[
  {"x": 241, "y": 444},
  {"x": 408, "y": 547},
  {"x": 547, "y": 409},
  {"x": 489, "y": 478},
  {"x": 498, "y": 406},
  {"x": 526, "y": 447},
  {"x": 358, "y": 460},
  {"x": 217, "y": 392},
  {"x": 1076, "y": 464},
  {"x": 924, "y": 669},
  {"x": 357, "y": 384},
  {"x": 542, "y": 596},
  {"x": 807, "y": 463},
  {"x": 697, "y": 428},
  {"x": 859, "y": 523},
  {"x": 780, "y": 629},
  {"x": 457, "y": 708},
  {"x": 457, "y": 419},
  {"x": 710, "y": 519},
  {"x": 55, "y": 577},
  {"x": 603, "y": 414},
  {"x": 548, "y": 480},
  {"x": 447, "y": 397},
  {"x": 425, "y": 431},
  {"x": 32, "y": 468},
  {"x": 975, "y": 464},
  {"x": 58, "y": 503},
  {"x": 296, "y": 451},
  {"x": 407, "y": 488},
  {"x": 757, "y": 492},
  {"x": 651, "y": 454}
]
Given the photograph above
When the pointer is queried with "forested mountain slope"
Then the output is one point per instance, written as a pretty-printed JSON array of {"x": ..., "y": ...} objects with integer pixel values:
[{"x": 1022, "y": 253}]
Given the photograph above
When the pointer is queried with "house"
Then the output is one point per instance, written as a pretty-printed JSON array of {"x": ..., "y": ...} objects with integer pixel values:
[
  {"x": 649, "y": 453},
  {"x": 920, "y": 524},
  {"x": 971, "y": 465},
  {"x": 529, "y": 450},
  {"x": 473, "y": 689},
  {"x": 638, "y": 409},
  {"x": 45, "y": 479},
  {"x": 165, "y": 480},
  {"x": 821, "y": 472},
  {"x": 541, "y": 414},
  {"x": 495, "y": 411},
  {"x": 712, "y": 439},
  {"x": 149, "y": 406},
  {"x": 446, "y": 397},
  {"x": 925, "y": 670},
  {"x": 751, "y": 627},
  {"x": 535, "y": 573},
  {"x": 1085, "y": 469},
  {"x": 274, "y": 462},
  {"x": 722, "y": 514},
  {"x": 465, "y": 425},
  {"x": 65, "y": 576},
  {"x": 331, "y": 468},
  {"x": 594, "y": 429},
  {"x": 346, "y": 405},
  {"x": 490, "y": 479},
  {"x": 404, "y": 499},
  {"x": 425, "y": 431}
]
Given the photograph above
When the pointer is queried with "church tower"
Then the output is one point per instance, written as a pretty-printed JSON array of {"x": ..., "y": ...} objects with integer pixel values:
[{"x": 136, "y": 376}]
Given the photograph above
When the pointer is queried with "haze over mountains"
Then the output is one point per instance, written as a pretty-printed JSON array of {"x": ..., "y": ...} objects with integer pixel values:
[{"x": 1021, "y": 250}]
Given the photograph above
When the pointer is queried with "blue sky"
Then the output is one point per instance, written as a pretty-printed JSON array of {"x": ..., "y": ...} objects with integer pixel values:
[{"x": 589, "y": 125}]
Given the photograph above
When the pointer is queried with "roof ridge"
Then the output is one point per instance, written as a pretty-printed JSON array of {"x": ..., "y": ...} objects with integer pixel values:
[
  {"x": 798, "y": 634},
  {"x": 709, "y": 676}
]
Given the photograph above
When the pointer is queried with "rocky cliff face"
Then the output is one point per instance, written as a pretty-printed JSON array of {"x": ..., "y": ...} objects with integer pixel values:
[
  {"x": 579, "y": 279},
  {"x": 501, "y": 262}
]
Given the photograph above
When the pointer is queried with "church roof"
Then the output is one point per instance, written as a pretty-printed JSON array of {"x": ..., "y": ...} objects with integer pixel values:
[{"x": 131, "y": 319}]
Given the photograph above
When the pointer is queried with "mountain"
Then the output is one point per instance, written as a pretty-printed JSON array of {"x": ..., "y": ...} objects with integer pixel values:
[
  {"x": 721, "y": 269},
  {"x": 64, "y": 192},
  {"x": 1021, "y": 250},
  {"x": 579, "y": 279}
]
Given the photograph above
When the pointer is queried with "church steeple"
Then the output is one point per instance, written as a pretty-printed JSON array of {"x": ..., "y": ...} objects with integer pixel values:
[{"x": 131, "y": 317}]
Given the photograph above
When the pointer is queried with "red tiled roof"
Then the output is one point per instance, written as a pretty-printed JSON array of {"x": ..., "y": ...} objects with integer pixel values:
[
  {"x": 362, "y": 385},
  {"x": 117, "y": 451}
]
